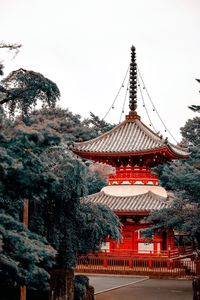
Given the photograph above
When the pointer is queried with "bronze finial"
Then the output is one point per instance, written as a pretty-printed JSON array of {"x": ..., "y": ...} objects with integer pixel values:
[{"x": 133, "y": 83}]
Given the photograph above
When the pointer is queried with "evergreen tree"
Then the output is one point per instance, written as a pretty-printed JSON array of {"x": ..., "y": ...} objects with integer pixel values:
[
  {"x": 25, "y": 258},
  {"x": 36, "y": 164},
  {"x": 100, "y": 125},
  {"x": 183, "y": 177},
  {"x": 71, "y": 127}
]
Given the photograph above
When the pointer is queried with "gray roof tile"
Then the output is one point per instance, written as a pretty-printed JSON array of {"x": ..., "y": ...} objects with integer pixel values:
[
  {"x": 127, "y": 137},
  {"x": 140, "y": 203}
]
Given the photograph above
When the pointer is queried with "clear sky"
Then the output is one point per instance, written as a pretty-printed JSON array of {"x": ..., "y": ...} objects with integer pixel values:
[{"x": 84, "y": 46}]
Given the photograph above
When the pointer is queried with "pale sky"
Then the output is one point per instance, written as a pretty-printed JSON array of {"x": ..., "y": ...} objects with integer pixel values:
[{"x": 84, "y": 47}]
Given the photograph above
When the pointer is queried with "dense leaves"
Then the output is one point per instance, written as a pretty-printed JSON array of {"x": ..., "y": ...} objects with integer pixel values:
[
  {"x": 25, "y": 257},
  {"x": 69, "y": 126},
  {"x": 72, "y": 227},
  {"x": 36, "y": 163},
  {"x": 96, "y": 222},
  {"x": 183, "y": 179},
  {"x": 191, "y": 132}
]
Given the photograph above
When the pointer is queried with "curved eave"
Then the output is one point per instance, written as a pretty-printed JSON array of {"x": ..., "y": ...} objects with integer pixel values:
[
  {"x": 166, "y": 151},
  {"x": 137, "y": 204},
  {"x": 131, "y": 138},
  {"x": 177, "y": 151}
]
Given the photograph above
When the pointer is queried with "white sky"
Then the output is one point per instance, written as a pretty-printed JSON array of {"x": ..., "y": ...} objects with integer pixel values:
[{"x": 84, "y": 47}]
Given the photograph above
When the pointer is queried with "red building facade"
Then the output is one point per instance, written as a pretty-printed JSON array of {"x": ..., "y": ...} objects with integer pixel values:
[{"x": 133, "y": 191}]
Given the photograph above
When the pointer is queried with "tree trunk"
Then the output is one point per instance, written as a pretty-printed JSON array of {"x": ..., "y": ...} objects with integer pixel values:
[
  {"x": 70, "y": 285},
  {"x": 22, "y": 293},
  {"x": 62, "y": 285},
  {"x": 25, "y": 221}
]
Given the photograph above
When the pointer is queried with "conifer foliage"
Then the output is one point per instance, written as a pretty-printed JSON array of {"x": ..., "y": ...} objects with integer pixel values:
[
  {"x": 36, "y": 164},
  {"x": 183, "y": 177},
  {"x": 25, "y": 257}
]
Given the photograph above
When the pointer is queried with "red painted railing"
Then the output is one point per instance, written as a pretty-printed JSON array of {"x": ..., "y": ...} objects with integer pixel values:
[
  {"x": 175, "y": 253},
  {"x": 185, "y": 268},
  {"x": 133, "y": 174}
]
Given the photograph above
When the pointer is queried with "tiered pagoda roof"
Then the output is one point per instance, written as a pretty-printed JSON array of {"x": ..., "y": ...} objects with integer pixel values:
[
  {"x": 143, "y": 203},
  {"x": 130, "y": 140}
]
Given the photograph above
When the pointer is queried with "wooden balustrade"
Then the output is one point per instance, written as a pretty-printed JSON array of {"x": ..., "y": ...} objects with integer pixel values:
[
  {"x": 174, "y": 253},
  {"x": 139, "y": 266}
]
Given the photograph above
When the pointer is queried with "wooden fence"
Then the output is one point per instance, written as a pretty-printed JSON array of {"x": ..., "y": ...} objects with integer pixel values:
[{"x": 185, "y": 268}]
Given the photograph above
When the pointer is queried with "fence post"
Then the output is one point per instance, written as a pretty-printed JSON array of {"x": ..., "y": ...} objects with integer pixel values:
[
  {"x": 105, "y": 262},
  {"x": 150, "y": 263},
  {"x": 197, "y": 262},
  {"x": 168, "y": 264},
  {"x": 130, "y": 263}
]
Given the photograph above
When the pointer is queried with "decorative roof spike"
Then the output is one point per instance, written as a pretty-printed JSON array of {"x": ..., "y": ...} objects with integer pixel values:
[{"x": 133, "y": 83}]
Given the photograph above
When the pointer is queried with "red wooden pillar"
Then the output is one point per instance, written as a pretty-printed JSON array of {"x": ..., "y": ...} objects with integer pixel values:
[
  {"x": 25, "y": 221},
  {"x": 154, "y": 247},
  {"x": 168, "y": 264},
  {"x": 135, "y": 243}
]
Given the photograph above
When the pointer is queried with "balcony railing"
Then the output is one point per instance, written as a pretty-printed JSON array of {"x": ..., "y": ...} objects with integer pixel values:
[{"x": 175, "y": 253}]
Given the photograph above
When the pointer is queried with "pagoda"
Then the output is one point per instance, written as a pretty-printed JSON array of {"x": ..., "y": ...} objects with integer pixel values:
[{"x": 133, "y": 191}]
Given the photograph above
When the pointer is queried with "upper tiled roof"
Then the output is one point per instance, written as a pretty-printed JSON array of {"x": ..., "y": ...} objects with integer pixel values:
[
  {"x": 139, "y": 203},
  {"x": 130, "y": 136}
]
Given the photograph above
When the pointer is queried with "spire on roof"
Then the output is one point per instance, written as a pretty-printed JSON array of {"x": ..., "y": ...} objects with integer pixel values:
[{"x": 133, "y": 83}]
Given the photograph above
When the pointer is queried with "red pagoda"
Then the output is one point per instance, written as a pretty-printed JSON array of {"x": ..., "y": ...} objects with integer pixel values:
[{"x": 134, "y": 191}]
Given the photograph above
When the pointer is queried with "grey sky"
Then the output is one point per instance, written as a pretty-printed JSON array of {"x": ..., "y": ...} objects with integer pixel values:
[{"x": 84, "y": 46}]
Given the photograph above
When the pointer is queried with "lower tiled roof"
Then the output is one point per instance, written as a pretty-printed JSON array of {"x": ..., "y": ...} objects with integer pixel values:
[{"x": 138, "y": 203}]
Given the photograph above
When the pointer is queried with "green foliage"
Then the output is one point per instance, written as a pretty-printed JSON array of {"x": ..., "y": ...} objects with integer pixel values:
[
  {"x": 94, "y": 182},
  {"x": 36, "y": 163},
  {"x": 54, "y": 180},
  {"x": 22, "y": 89},
  {"x": 81, "y": 282},
  {"x": 98, "y": 124},
  {"x": 96, "y": 222},
  {"x": 191, "y": 132},
  {"x": 67, "y": 125},
  {"x": 24, "y": 256},
  {"x": 67, "y": 221},
  {"x": 183, "y": 179},
  {"x": 20, "y": 167}
]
